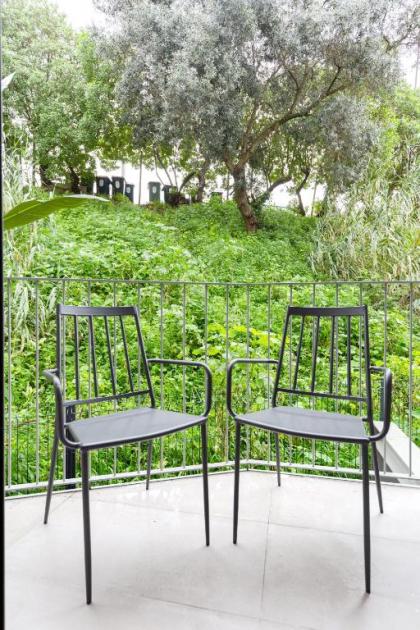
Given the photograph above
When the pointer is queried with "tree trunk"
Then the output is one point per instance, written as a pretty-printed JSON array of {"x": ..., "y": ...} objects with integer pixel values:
[
  {"x": 241, "y": 198},
  {"x": 314, "y": 199},
  {"x": 228, "y": 186},
  {"x": 45, "y": 181},
  {"x": 300, "y": 203},
  {"x": 202, "y": 181},
  {"x": 140, "y": 178},
  {"x": 74, "y": 182},
  {"x": 299, "y": 190}
]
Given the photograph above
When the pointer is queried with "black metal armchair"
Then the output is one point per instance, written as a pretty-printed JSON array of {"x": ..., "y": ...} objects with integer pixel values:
[
  {"x": 322, "y": 425},
  {"x": 142, "y": 423}
]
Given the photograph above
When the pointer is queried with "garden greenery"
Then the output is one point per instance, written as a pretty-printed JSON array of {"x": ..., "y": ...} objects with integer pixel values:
[{"x": 138, "y": 244}]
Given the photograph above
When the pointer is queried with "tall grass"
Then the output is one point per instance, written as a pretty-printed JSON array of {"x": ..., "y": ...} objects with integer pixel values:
[
  {"x": 375, "y": 234},
  {"x": 16, "y": 183}
]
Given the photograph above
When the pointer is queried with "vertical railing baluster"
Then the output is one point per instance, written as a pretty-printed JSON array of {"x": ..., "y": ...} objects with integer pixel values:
[
  {"x": 248, "y": 394},
  {"x": 336, "y": 444},
  {"x": 9, "y": 380},
  {"x": 348, "y": 322},
  {"x": 161, "y": 391},
  {"x": 360, "y": 366},
  {"x": 290, "y": 369},
  {"x": 410, "y": 386},
  {"x": 385, "y": 355},
  {"x": 62, "y": 367},
  {"x": 94, "y": 456},
  {"x": 89, "y": 301},
  {"x": 114, "y": 371},
  {"x": 139, "y": 377},
  {"x": 297, "y": 360},
  {"x": 37, "y": 439},
  {"x": 76, "y": 356},
  {"x": 226, "y": 365},
  {"x": 206, "y": 322},
  {"x": 69, "y": 456},
  {"x": 331, "y": 375},
  {"x": 268, "y": 367},
  {"x": 184, "y": 341},
  {"x": 206, "y": 358}
]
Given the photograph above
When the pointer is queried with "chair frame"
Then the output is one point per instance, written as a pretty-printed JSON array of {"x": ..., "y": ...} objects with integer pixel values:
[
  {"x": 64, "y": 409},
  {"x": 375, "y": 436}
]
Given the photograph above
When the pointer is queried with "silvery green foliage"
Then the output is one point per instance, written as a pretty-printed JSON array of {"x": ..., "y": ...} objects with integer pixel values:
[
  {"x": 344, "y": 134},
  {"x": 229, "y": 74}
]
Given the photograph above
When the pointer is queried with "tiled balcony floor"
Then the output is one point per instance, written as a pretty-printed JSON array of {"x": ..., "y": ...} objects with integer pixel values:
[{"x": 298, "y": 562}]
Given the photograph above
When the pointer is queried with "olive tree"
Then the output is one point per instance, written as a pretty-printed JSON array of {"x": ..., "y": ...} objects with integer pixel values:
[
  {"x": 331, "y": 148},
  {"x": 230, "y": 75}
]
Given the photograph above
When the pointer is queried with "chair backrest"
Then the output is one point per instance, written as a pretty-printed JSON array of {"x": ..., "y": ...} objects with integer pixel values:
[
  {"x": 100, "y": 355},
  {"x": 337, "y": 364}
]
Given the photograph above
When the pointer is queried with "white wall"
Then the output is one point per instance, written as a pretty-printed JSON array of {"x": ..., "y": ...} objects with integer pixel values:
[{"x": 280, "y": 197}]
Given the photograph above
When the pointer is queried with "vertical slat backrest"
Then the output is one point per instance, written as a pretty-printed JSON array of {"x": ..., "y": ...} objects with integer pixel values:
[
  {"x": 331, "y": 350},
  {"x": 99, "y": 360}
]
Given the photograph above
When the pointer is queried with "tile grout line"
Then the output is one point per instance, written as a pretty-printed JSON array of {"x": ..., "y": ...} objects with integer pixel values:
[
  {"x": 228, "y": 613},
  {"x": 36, "y": 524},
  {"x": 164, "y": 509},
  {"x": 343, "y": 533},
  {"x": 265, "y": 552}
]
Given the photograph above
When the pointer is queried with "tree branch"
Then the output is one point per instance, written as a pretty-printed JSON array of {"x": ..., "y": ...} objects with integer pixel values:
[
  {"x": 278, "y": 182},
  {"x": 162, "y": 166}
]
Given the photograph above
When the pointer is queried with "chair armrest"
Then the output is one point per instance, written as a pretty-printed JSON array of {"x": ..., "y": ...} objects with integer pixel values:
[
  {"x": 196, "y": 364},
  {"x": 387, "y": 401},
  {"x": 229, "y": 378},
  {"x": 52, "y": 377}
]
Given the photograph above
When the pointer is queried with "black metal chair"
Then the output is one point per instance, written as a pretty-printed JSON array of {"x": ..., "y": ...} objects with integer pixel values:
[
  {"x": 143, "y": 423},
  {"x": 322, "y": 425}
]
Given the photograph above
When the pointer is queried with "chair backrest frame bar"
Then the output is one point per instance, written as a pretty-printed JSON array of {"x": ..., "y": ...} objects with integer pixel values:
[
  {"x": 333, "y": 313},
  {"x": 105, "y": 312}
]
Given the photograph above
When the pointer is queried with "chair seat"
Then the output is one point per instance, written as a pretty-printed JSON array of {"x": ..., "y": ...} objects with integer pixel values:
[
  {"x": 129, "y": 426},
  {"x": 307, "y": 423}
]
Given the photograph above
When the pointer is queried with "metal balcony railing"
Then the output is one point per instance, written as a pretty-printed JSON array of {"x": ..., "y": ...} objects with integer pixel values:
[{"x": 214, "y": 322}]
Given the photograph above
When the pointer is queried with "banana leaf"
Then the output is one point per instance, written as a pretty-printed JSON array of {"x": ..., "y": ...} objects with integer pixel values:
[{"x": 33, "y": 209}]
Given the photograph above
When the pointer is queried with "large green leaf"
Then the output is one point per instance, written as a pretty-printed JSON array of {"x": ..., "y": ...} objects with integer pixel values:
[{"x": 33, "y": 209}]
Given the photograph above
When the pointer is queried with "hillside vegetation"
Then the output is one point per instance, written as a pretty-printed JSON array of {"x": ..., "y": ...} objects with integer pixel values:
[{"x": 204, "y": 242}]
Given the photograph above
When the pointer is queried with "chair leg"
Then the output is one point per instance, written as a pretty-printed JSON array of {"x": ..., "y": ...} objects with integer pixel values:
[
  {"x": 377, "y": 477},
  {"x": 149, "y": 462},
  {"x": 84, "y": 455},
  {"x": 276, "y": 438},
  {"x": 366, "y": 516},
  {"x": 205, "y": 481},
  {"x": 51, "y": 477},
  {"x": 236, "y": 489}
]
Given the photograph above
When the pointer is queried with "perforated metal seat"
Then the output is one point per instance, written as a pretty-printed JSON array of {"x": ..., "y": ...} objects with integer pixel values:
[
  {"x": 321, "y": 425},
  {"x": 128, "y": 426}
]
